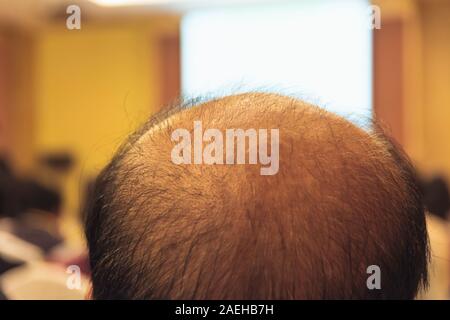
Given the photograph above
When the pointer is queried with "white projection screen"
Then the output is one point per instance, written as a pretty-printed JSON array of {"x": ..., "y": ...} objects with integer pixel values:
[{"x": 317, "y": 50}]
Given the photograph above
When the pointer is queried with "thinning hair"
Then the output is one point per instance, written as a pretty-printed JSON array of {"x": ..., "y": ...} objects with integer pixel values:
[{"x": 344, "y": 199}]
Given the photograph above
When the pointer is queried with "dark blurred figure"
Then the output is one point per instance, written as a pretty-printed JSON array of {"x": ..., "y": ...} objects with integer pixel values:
[
  {"x": 28, "y": 211},
  {"x": 34, "y": 195},
  {"x": 30, "y": 240},
  {"x": 60, "y": 162},
  {"x": 4, "y": 167},
  {"x": 436, "y": 196},
  {"x": 20, "y": 195},
  {"x": 9, "y": 202}
]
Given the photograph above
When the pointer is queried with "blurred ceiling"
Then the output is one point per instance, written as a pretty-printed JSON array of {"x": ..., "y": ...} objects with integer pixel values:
[{"x": 30, "y": 13}]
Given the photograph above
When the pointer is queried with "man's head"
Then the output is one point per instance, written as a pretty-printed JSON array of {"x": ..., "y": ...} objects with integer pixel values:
[{"x": 342, "y": 200}]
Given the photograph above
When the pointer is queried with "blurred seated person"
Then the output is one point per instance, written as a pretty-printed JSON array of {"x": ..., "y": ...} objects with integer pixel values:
[
  {"x": 33, "y": 254},
  {"x": 341, "y": 199}
]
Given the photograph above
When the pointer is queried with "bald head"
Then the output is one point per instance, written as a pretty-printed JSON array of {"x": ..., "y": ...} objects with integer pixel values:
[{"x": 181, "y": 218}]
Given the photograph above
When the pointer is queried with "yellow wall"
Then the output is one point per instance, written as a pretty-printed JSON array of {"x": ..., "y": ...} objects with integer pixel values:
[
  {"x": 92, "y": 87},
  {"x": 436, "y": 67},
  {"x": 426, "y": 91},
  {"x": 17, "y": 99}
]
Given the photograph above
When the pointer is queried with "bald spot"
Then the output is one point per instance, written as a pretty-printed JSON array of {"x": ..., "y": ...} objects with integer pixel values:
[{"x": 341, "y": 201}]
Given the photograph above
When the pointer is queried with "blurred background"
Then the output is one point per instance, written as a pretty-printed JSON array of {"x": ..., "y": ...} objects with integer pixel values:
[{"x": 74, "y": 81}]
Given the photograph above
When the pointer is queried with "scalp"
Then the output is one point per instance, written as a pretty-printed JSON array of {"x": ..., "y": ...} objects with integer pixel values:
[{"x": 341, "y": 200}]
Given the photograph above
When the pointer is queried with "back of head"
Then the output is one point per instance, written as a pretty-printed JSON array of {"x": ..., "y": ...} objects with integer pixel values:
[{"x": 341, "y": 200}]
